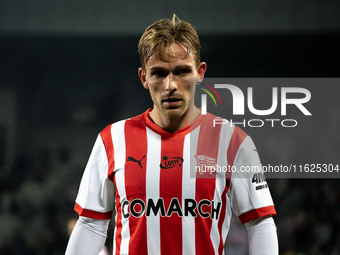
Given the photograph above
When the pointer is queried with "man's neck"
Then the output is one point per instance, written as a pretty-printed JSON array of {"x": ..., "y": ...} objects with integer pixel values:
[{"x": 174, "y": 124}]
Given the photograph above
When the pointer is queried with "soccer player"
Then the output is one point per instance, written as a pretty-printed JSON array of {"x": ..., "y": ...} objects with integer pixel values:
[{"x": 146, "y": 164}]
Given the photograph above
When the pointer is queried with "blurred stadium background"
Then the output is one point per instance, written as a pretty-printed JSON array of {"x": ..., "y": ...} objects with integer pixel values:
[{"x": 68, "y": 68}]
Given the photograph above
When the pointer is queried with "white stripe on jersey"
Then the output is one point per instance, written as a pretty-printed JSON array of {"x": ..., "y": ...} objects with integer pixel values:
[
  {"x": 118, "y": 138},
  {"x": 226, "y": 133},
  {"x": 188, "y": 190},
  {"x": 152, "y": 190}
]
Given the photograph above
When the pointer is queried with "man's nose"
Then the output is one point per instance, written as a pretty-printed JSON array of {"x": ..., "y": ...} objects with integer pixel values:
[{"x": 171, "y": 83}]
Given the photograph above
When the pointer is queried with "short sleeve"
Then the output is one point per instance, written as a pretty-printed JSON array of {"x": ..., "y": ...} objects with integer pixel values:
[
  {"x": 95, "y": 198},
  {"x": 249, "y": 193}
]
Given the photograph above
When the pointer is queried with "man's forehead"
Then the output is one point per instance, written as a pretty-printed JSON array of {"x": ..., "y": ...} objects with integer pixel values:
[
  {"x": 174, "y": 50},
  {"x": 170, "y": 54}
]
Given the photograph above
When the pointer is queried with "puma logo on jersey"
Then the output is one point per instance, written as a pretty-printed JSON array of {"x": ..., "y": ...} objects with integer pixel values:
[
  {"x": 170, "y": 162},
  {"x": 135, "y": 160}
]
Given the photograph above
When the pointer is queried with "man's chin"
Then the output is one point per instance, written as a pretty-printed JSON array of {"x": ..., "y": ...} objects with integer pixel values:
[{"x": 173, "y": 113}]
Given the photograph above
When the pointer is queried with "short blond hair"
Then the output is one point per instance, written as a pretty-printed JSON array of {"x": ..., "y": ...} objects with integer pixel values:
[{"x": 162, "y": 34}]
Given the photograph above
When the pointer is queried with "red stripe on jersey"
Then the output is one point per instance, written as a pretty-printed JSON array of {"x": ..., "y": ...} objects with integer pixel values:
[
  {"x": 118, "y": 238},
  {"x": 234, "y": 144},
  {"x": 171, "y": 168},
  {"x": 256, "y": 213},
  {"x": 208, "y": 143},
  {"x": 236, "y": 140},
  {"x": 107, "y": 140},
  {"x": 92, "y": 214},
  {"x": 135, "y": 181}
]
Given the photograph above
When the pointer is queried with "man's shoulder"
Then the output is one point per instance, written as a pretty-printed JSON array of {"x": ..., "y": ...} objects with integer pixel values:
[
  {"x": 138, "y": 119},
  {"x": 223, "y": 122}
]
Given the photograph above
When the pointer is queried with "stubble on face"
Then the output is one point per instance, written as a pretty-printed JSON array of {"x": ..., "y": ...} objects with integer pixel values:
[
  {"x": 171, "y": 91},
  {"x": 168, "y": 82}
]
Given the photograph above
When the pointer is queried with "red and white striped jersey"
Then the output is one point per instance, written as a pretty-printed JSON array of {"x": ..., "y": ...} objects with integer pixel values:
[{"x": 164, "y": 203}]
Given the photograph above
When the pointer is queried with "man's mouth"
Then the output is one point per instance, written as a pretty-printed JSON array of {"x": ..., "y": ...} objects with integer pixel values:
[{"x": 172, "y": 101}]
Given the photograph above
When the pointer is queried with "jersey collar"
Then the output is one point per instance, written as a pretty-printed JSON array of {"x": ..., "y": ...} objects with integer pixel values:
[{"x": 145, "y": 118}]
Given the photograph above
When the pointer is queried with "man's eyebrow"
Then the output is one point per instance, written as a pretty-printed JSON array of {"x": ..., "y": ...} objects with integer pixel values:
[
  {"x": 183, "y": 67},
  {"x": 160, "y": 68},
  {"x": 157, "y": 68}
]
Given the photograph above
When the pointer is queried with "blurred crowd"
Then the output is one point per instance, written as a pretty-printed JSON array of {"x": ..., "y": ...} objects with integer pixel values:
[
  {"x": 36, "y": 202},
  {"x": 308, "y": 219}
]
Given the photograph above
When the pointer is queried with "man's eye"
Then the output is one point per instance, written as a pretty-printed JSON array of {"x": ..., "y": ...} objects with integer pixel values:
[
  {"x": 160, "y": 73},
  {"x": 182, "y": 71}
]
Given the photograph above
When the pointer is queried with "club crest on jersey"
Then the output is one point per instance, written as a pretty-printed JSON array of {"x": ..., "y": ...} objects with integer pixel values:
[
  {"x": 167, "y": 162},
  {"x": 205, "y": 163},
  {"x": 203, "y": 160}
]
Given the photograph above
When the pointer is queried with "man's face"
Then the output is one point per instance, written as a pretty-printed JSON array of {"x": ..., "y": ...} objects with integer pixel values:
[{"x": 169, "y": 82}]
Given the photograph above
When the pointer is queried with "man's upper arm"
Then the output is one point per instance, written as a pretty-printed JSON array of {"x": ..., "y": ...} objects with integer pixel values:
[
  {"x": 95, "y": 198},
  {"x": 249, "y": 192}
]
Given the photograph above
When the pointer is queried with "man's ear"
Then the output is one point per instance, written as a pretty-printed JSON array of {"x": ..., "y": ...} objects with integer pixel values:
[
  {"x": 202, "y": 67},
  {"x": 142, "y": 76}
]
